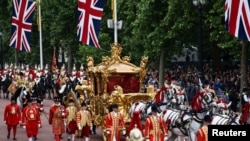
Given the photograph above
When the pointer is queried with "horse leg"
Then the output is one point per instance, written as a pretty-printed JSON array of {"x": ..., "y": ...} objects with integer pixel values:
[{"x": 172, "y": 137}]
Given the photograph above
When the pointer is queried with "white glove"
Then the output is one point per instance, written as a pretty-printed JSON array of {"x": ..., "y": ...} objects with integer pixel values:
[
  {"x": 108, "y": 132},
  {"x": 63, "y": 114},
  {"x": 147, "y": 139},
  {"x": 91, "y": 128},
  {"x": 165, "y": 138},
  {"x": 39, "y": 125},
  {"x": 79, "y": 127},
  {"x": 24, "y": 127},
  {"x": 124, "y": 132}
]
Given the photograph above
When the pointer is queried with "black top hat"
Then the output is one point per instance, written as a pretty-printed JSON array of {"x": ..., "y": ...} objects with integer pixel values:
[
  {"x": 12, "y": 98},
  {"x": 71, "y": 100},
  {"x": 114, "y": 105},
  {"x": 207, "y": 118},
  {"x": 154, "y": 108},
  {"x": 56, "y": 99},
  {"x": 21, "y": 74},
  {"x": 29, "y": 100},
  {"x": 33, "y": 98},
  {"x": 84, "y": 104}
]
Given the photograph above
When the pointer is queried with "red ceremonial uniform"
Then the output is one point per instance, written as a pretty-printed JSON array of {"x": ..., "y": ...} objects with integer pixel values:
[
  {"x": 135, "y": 122},
  {"x": 84, "y": 121},
  {"x": 31, "y": 119},
  {"x": 12, "y": 116},
  {"x": 155, "y": 128},
  {"x": 114, "y": 124},
  {"x": 202, "y": 134},
  {"x": 56, "y": 118},
  {"x": 71, "y": 112}
]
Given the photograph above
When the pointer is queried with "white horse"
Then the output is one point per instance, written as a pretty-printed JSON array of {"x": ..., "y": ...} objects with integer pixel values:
[
  {"x": 143, "y": 107},
  {"x": 202, "y": 103},
  {"x": 178, "y": 122},
  {"x": 166, "y": 97},
  {"x": 21, "y": 94}
]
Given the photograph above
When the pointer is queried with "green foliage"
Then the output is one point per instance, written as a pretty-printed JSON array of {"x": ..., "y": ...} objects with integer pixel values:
[{"x": 149, "y": 27}]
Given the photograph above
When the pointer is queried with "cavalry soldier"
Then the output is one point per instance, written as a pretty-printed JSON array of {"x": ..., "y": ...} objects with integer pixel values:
[
  {"x": 84, "y": 121},
  {"x": 114, "y": 124},
  {"x": 12, "y": 116},
  {"x": 71, "y": 111},
  {"x": 155, "y": 127},
  {"x": 57, "y": 115},
  {"x": 31, "y": 120}
]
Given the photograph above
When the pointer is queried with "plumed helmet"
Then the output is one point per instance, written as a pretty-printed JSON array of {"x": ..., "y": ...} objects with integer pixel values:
[
  {"x": 115, "y": 105},
  {"x": 207, "y": 118},
  {"x": 154, "y": 108}
]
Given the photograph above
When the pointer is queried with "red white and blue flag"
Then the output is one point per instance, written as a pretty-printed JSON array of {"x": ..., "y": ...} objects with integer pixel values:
[
  {"x": 237, "y": 18},
  {"x": 89, "y": 18},
  {"x": 22, "y": 24}
]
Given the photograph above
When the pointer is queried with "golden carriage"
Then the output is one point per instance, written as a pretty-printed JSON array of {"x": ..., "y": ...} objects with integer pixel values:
[{"x": 116, "y": 80}]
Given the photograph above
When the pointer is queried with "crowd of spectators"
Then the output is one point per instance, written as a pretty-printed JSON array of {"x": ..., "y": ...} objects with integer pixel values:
[{"x": 225, "y": 83}]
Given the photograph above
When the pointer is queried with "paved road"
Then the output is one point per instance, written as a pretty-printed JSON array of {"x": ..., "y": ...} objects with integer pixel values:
[{"x": 45, "y": 133}]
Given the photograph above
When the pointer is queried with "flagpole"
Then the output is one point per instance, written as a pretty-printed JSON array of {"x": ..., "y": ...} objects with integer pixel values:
[
  {"x": 115, "y": 23},
  {"x": 40, "y": 35}
]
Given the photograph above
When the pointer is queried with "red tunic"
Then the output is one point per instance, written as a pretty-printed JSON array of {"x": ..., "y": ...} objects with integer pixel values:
[
  {"x": 155, "y": 129},
  {"x": 84, "y": 120},
  {"x": 71, "y": 112},
  {"x": 114, "y": 124},
  {"x": 31, "y": 119},
  {"x": 12, "y": 114},
  {"x": 57, "y": 115},
  {"x": 202, "y": 134}
]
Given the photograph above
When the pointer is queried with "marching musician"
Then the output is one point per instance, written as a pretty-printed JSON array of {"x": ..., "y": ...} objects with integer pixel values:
[
  {"x": 155, "y": 127},
  {"x": 57, "y": 114},
  {"x": 114, "y": 124},
  {"x": 71, "y": 111},
  {"x": 31, "y": 120},
  {"x": 84, "y": 121},
  {"x": 12, "y": 116}
]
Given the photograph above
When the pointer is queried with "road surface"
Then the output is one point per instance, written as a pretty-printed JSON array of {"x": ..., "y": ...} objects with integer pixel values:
[{"x": 45, "y": 133}]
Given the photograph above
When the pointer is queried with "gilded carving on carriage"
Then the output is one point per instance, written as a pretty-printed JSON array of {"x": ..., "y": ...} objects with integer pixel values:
[
  {"x": 84, "y": 90},
  {"x": 116, "y": 80}
]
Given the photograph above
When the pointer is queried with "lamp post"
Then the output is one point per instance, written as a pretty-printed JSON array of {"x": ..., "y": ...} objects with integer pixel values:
[
  {"x": 1, "y": 47},
  {"x": 199, "y": 4}
]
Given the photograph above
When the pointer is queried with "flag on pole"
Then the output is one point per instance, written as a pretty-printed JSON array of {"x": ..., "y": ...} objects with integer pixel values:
[
  {"x": 89, "y": 18},
  {"x": 237, "y": 18},
  {"x": 54, "y": 66},
  {"x": 38, "y": 15},
  {"x": 22, "y": 24}
]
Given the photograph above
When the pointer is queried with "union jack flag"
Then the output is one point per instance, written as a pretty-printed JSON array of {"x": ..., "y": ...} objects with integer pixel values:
[
  {"x": 89, "y": 18},
  {"x": 237, "y": 18},
  {"x": 22, "y": 24}
]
